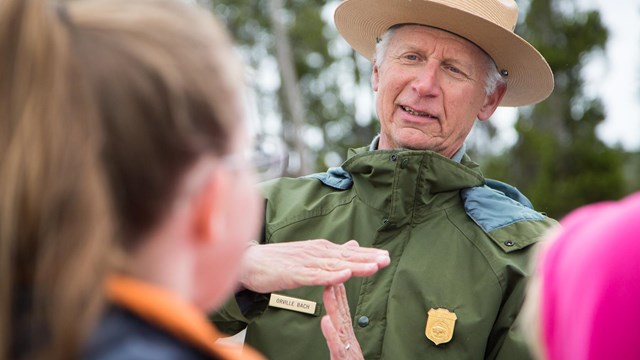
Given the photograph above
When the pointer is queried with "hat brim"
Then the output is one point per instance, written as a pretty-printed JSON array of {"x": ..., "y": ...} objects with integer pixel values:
[{"x": 529, "y": 79}]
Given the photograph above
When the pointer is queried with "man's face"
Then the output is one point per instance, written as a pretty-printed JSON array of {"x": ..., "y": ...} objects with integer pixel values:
[{"x": 430, "y": 89}]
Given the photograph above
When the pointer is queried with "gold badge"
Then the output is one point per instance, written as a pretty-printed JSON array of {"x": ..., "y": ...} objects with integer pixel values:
[{"x": 440, "y": 324}]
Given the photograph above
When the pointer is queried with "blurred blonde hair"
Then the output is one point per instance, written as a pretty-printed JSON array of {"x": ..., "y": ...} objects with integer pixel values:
[{"x": 106, "y": 104}]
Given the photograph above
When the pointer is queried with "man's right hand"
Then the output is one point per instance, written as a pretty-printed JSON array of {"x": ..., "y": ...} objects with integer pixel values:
[{"x": 273, "y": 267}]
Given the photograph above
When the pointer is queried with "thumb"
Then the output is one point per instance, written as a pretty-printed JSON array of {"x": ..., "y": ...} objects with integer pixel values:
[{"x": 352, "y": 243}]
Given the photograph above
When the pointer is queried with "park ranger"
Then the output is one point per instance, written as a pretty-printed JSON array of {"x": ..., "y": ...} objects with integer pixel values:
[{"x": 458, "y": 243}]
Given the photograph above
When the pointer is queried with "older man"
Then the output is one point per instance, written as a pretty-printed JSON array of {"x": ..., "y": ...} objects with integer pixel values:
[{"x": 459, "y": 244}]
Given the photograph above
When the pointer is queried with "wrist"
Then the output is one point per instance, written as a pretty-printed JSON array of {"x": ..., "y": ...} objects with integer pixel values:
[{"x": 246, "y": 265}]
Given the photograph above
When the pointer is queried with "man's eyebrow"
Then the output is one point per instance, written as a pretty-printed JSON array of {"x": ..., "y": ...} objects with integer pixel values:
[
  {"x": 454, "y": 59},
  {"x": 457, "y": 59}
]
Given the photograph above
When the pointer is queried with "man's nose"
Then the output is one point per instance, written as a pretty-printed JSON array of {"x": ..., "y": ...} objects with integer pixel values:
[{"x": 426, "y": 82}]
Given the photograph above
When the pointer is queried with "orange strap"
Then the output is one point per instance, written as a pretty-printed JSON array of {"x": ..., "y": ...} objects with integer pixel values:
[{"x": 168, "y": 311}]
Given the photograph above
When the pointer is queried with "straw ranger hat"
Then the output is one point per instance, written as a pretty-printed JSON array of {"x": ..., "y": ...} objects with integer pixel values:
[{"x": 487, "y": 23}]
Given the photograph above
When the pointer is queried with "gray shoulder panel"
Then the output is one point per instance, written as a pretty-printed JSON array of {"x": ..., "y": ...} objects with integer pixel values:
[
  {"x": 336, "y": 177},
  {"x": 496, "y": 205}
]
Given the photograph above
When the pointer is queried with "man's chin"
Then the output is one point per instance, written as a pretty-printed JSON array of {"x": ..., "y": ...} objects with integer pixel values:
[
  {"x": 408, "y": 138},
  {"x": 416, "y": 143}
]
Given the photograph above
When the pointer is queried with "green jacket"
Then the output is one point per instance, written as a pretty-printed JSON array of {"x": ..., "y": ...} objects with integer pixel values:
[{"x": 454, "y": 242}]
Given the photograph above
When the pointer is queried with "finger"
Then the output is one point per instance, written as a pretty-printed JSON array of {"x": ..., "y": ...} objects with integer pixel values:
[
  {"x": 362, "y": 270},
  {"x": 330, "y": 324},
  {"x": 326, "y": 272},
  {"x": 338, "y": 321},
  {"x": 343, "y": 312},
  {"x": 358, "y": 268},
  {"x": 311, "y": 251},
  {"x": 354, "y": 247},
  {"x": 330, "y": 304},
  {"x": 340, "y": 296},
  {"x": 338, "y": 311},
  {"x": 342, "y": 303},
  {"x": 336, "y": 348},
  {"x": 355, "y": 259},
  {"x": 318, "y": 277},
  {"x": 333, "y": 310},
  {"x": 354, "y": 253}
]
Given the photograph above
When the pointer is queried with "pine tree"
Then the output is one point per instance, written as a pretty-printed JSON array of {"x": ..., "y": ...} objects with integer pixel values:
[
  {"x": 558, "y": 161},
  {"x": 328, "y": 75}
]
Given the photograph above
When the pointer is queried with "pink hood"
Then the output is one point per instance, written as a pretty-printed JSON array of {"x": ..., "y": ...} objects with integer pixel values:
[{"x": 591, "y": 284}]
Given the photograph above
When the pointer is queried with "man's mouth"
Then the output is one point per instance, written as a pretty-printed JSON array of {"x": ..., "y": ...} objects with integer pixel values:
[{"x": 417, "y": 113}]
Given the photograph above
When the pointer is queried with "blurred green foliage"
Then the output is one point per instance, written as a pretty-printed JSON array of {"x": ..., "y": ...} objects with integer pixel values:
[
  {"x": 558, "y": 161},
  {"x": 328, "y": 80}
]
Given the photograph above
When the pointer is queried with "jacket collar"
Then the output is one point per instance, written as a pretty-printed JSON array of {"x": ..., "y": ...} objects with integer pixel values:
[
  {"x": 165, "y": 310},
  {"x": 402, "y": 183},
  {"x": 457, "y": 157}
]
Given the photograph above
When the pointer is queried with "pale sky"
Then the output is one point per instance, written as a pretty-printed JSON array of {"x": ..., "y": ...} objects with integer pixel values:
[
  {"x": 614, "y": 77},
  {"x": 618, "y": 83}
]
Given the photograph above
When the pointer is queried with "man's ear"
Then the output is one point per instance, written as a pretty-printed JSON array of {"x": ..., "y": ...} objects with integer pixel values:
[
  {"x": 209, "y": 205},
  {"x": 491, "y": 102},
  {"x": 375, "y": 76}
]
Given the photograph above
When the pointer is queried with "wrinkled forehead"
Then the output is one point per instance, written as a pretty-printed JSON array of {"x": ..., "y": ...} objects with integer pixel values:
[{"x": 455, "y": 41}]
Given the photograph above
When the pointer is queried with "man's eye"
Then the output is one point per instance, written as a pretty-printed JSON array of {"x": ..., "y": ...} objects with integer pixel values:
[
  {"x": 411, "y": 57},
  {"x": 454, "y": 69}
]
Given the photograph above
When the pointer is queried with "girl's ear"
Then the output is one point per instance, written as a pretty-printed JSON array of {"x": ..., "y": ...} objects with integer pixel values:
[{"x": 208, "y": 206}]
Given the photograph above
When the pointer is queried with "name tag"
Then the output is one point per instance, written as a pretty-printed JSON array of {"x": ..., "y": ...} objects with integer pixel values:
[{"x": 293, "y": 304}]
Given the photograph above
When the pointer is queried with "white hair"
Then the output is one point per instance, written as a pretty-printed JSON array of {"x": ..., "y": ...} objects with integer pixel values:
[{"x": 493, "y": 78}]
